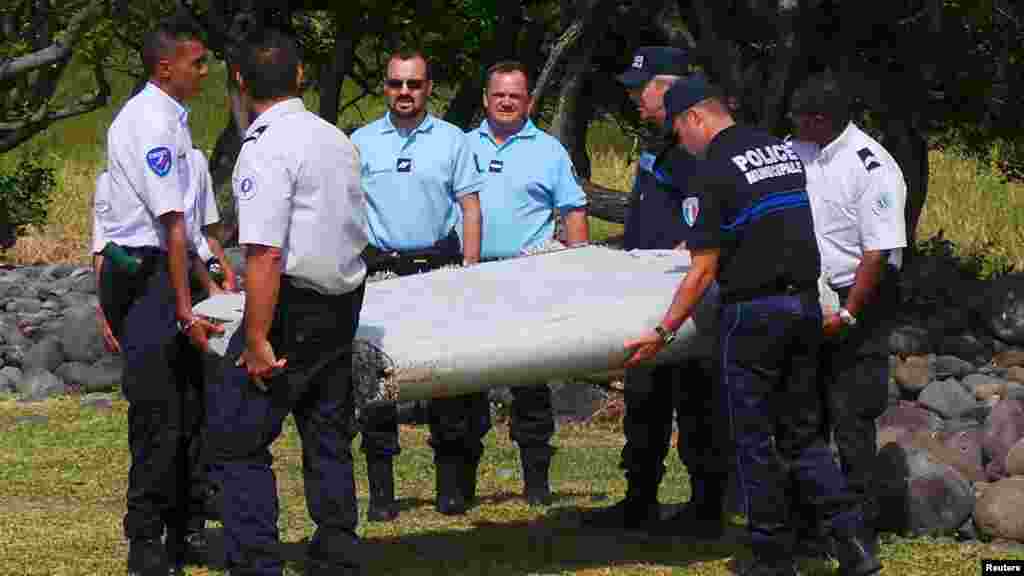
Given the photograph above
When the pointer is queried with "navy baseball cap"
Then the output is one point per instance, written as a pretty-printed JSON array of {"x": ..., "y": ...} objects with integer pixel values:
[
  {"x": 684, "y": 94},
  {"x": 651, "y": 61}
]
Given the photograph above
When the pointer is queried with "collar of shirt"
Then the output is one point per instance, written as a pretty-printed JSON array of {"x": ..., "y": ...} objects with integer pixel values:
[
  {"x": 282, "y": 108},
  {"x": 172, "y": 105},
  {"x": 829, "y": 152},
  {"x": 529, "y": 130},
  {"x": 426, "y": 125}
]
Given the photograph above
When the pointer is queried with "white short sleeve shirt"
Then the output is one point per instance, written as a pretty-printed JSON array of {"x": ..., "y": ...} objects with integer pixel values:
[
  {"x": 296, "y": 184},
  {"x": 200, "y": 204},
  {"x": 147, "y": 160},
  {"x": 858, "y": 195}
]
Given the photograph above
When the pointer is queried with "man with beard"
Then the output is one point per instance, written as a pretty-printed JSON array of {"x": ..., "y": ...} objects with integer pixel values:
[
  {"x": 529, "y": 179},
  {"x": 421, "y": 180},
  {"x": 656, "y": 221}
]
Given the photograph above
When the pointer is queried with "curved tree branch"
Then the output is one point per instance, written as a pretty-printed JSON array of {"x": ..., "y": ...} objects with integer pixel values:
[{"x": 58, "y": 51}]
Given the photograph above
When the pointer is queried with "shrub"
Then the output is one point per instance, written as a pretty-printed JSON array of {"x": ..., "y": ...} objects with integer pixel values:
[{"x": 24, "y": 197}]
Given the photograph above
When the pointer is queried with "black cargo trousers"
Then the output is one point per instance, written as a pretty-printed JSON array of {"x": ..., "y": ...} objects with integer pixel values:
[{"x": 162, "y": 380}]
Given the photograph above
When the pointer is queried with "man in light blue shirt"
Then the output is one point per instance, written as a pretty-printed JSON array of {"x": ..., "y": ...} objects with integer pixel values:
[
  {"x": 529, "y": 179},
  {"x": 421, "y": 182}
]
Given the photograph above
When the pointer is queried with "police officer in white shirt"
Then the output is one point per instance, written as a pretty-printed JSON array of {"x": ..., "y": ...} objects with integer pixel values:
[
  {"x": 146, "y": 296},
  {"x": 204, "y": 222},
  {"x": 301, "y": 215},
  {"x": 857, "y": 195}
]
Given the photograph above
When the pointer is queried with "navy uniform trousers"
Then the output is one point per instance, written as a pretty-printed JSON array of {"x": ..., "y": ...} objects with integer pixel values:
[
  {"x": 162, "y": 381},
  {"x": 690, "y": 389},
  {"x": 768, "y": 355},
  {"x": 855, "y": 373},
  {"x": 314, "y": 333}
]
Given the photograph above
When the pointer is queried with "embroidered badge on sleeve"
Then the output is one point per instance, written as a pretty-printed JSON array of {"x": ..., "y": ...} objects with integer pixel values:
[
  {"x": 246, "y": 188},
  {"x": 691, "y": 210},
  {"x": 159, "y": 160}
]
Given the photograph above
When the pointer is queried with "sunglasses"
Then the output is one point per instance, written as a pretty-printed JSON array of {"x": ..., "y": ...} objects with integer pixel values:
[{"x": 411, "y": 84}]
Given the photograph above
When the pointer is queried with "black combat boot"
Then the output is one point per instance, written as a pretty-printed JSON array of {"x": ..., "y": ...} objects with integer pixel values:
[
  {"x": 774, "y": 557},
  {"x": 536, "y": 462},
  {"x": 448, "y": 474},
  {"x": 858, "y": 553},
  {"x": 637, "y": 512},
  {"x": 381, "y": 475},
  {"x": 700, "y": 518},
  {"x": 147, "y": 558}
]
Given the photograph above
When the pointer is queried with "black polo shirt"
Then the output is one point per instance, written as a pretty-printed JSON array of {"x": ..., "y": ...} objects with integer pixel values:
[
  {"x": 655, "y": 212},
  {"x": 751, "y": 203}
]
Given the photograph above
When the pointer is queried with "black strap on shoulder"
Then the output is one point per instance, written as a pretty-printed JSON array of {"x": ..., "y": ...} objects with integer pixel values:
[{"x": 255, "y": 134}]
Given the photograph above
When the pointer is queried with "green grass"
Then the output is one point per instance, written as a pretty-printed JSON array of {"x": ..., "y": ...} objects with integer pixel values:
[{"x": 64, "y": 480}]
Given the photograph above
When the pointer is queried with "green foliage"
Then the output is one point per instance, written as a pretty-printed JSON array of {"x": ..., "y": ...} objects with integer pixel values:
[
  {"x": 1001, "y": 150},
  {"x": 25, "y": 193}
]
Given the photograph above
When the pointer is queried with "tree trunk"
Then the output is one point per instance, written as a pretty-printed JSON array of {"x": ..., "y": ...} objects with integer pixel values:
[
  {"x": 774, "y": 96},
  {"x": 339, "y": 66}
]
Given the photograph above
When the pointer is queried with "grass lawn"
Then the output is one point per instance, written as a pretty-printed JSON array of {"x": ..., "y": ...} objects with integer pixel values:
[{"x": 63, "y": 471}]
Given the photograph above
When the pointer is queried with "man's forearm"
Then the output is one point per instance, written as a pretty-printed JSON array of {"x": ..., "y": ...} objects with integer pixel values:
[
  {"x": 178, "y": 263},
  {"x": 218, "y": 250},
  {"x": 576, "y": 227},
  {"x": 690, "y": 291},
  {"x": 471, "y": 224},
  {"x": 865, "y": 284},
  {"x": 263, "y": 283},
  {"x": 97, "y": 267}
]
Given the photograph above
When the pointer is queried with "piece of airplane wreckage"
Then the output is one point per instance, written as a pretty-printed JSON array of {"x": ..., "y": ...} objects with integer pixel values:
[{"x": 563, "y": 315}]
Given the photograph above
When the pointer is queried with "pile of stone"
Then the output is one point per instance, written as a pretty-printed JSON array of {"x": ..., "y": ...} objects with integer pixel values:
[{"x": 951, "y": 456}]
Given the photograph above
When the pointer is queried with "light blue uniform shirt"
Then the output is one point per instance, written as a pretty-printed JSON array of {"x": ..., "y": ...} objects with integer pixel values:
[
  {"x": 526, "y": 179},
  {"x": 412, "y": 183}
]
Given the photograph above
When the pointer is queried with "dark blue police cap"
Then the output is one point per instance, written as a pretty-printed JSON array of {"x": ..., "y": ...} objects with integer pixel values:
[
  {"x": 684, "y": 94},
  {"x": 651, "y": 61}
]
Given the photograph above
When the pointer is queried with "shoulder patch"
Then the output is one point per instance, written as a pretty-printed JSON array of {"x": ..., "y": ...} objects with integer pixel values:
[
  {"x": 246, "y": 188},
  {"x": 159, "y": 160},
  {"x": 691, "y": 210},
  {"x": 868, "y": 158},
  {"x": 256, "y": 134}
]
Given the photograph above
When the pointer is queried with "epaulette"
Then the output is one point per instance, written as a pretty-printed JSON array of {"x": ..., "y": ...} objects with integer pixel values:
[
  {"x": 868, "y": 158},
  {"x": 255, "y": 134}
]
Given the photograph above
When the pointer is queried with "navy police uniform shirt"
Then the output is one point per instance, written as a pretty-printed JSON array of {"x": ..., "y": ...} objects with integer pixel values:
[
  {"x": 656, "y": 219},
  {"x": 752, "y": 205}
]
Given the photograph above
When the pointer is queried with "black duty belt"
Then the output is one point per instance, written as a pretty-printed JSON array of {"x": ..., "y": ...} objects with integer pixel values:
[
  {"x": 780, "y": 288},
  {"x": 445, "y": 252}
]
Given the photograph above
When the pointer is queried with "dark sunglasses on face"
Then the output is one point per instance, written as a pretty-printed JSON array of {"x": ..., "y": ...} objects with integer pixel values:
[{"x": 411, "y": 84}]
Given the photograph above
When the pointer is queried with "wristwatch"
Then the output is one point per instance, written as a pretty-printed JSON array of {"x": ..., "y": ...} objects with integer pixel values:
[
  {"x": 847, "y": 318},
  {"x": 185, "y": 325},
  {"x": 666, "y": 336}
]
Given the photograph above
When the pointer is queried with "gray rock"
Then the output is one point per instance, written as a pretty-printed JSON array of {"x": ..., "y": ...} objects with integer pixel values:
[
  {"x": 57, "y": 271},
  {"x": 918, "y": 494},
  {"x": 951, "y": 367},
  {"x": 39, "y": 385},
  {"x": 32, "y": 420},
  {"x": 81, "y": 335},
  {"x": 24, "y": 305},
  {"x": 72, "y": 373},
  {"x": 99, "y": 402},
  {"x": 1006, "y": 312},
  {"x": 44, "y": 355},
  {"x": 12, "y": 372},
  {"x": 1004, "y": 427},
  {"x": 909, "y": 340},
  {"x": 575, "y": 400},
  {"x": 947, "y": 397},
  {"x": 975, "y": 382},
  {"x": 11, "y": 333},
  {"x": 13, "y": 355},
  {"x": 909, "y": 416},
  {"x": 914, "y": 374},
  {"x": 79, "y": 299},
  {"x": 103, "y": 376},
  {"x": 967, "y": 346},
  {"x": 7, "y": 384},
  {"x": 997, "y": 512},
  {"x": 1015, "y": 459}
]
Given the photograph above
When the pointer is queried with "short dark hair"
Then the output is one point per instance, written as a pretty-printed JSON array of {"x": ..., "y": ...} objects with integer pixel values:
[
  {"x": 822, "y": 94},
  {"x": 411, "y": 54},
  {"x": 508, "y": 67},
  {"x": 269, "y": 62},
  {"x": 161, "y": 41}
]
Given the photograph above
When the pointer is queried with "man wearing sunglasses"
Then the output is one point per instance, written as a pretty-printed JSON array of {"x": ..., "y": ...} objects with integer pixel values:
[{"x": 421, "y": 182}]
